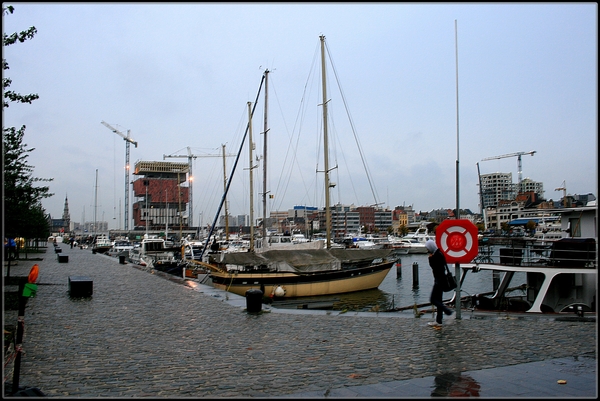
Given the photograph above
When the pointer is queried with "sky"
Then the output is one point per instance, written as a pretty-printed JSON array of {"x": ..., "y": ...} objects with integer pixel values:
[{"x": 417, "y": 96}]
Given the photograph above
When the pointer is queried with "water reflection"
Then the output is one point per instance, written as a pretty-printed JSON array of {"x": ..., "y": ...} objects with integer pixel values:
[
  {"x": 455, "y": 385},
  {"x": 374, "y": 300}
]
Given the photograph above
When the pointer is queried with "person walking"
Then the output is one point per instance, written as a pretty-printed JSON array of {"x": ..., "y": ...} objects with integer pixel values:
[{"x": 437, "y": 261}]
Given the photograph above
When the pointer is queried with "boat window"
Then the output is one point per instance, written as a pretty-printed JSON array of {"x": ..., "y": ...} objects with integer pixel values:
[{"x": 154, "y": 246}]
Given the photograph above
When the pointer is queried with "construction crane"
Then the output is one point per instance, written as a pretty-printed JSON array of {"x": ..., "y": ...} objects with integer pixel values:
[
  {"x": 128, "y": 140},
  {"x": 190, "y": 158},
  {"x": 519, "y": 165},
  {"x": 563, "y": 188}
]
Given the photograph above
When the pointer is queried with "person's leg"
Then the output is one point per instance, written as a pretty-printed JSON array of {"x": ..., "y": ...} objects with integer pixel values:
[{"x": 436, "y": 300}]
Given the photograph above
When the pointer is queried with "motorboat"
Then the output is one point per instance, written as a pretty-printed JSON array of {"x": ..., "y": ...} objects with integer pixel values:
[
  {"x": 101, "y": 244},
  {"x": 413, "y": 245},
  {"x": 153, "y": 254},
  {"x": 120, "y": 247}
]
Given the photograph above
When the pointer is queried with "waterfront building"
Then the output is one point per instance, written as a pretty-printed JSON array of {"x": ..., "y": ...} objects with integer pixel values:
[
  {"x": 528, "y": 185},
  {"x": 496, "y": 187},
  {"x": 161, "y": 199}
]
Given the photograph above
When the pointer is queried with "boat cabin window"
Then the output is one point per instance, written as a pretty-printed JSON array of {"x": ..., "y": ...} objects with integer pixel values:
[{"x": 154, "y": 246}]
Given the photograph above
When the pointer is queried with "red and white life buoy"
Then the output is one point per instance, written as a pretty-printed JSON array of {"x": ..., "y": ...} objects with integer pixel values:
[{"x": 457, "y": 239}]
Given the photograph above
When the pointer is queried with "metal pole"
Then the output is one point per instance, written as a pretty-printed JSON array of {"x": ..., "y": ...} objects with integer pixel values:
[
  {"x": 19, "y": 340},
  {"x": 457, "y": 265}
]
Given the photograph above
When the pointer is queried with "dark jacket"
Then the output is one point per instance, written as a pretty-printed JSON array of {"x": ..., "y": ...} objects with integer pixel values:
[{"x": 437, "y": 261}]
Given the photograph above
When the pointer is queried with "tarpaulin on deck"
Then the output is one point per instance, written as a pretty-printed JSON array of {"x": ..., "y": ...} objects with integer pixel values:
[{"x": 302, "y": 260}]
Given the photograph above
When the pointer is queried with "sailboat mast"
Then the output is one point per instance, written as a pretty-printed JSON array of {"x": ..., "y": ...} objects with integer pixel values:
[
  {"x": 225, "y": 196},
  {"x": 250, "y": 146},
  {"x": 95, "y": 203},
  {"x": 264, "y": 200},
  {"x": 325, "y": 146},
  {"x": 214, "y": 223}
]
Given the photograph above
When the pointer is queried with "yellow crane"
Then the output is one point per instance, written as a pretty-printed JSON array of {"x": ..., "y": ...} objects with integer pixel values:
[
  {"x": 128, "y": 140},
  {"x": 190, "y": 158},
  {"x": 563, "y": 188},
  {"x": 519, "y": 163}
]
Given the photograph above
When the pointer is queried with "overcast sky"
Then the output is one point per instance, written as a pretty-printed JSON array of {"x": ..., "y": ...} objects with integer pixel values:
[{"x": 179, "y": 76}]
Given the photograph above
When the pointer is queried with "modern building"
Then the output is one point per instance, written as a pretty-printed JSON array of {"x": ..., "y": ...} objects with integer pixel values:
[
  {"x": 496, "y": 187},
  {"x": 528, "y": 185},
  {"x": 160, "y": 198}
]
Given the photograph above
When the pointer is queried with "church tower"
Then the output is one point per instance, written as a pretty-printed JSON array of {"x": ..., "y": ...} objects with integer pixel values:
[{"x": 66, "y": 216}]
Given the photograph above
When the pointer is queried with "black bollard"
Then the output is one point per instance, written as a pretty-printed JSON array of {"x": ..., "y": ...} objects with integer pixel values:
[
  {"x": 398, "y": 268},
  {"x": 415, "y": 273},
  {"x": 254, "y": 300}
]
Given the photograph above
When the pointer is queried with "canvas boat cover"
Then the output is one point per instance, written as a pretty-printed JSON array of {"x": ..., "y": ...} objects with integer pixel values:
[{"x": 302, "y": 260}]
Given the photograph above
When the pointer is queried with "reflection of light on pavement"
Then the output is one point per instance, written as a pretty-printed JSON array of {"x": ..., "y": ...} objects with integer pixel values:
[
  {"x": 455, "y": 385},
  {"x": 190, "y": 283}
]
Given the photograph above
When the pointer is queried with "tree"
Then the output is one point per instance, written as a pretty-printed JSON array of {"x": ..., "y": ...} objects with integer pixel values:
[
  {"x": 8, "y": 40},
  {"x": 23, "y": 212}
]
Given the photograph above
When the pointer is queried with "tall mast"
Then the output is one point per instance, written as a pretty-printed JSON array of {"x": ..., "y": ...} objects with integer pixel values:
[
  {"x": 250, "y": 146},
  {"x": 325, "y": 145},
  {"x": 225, "y": 196},
  {"x": 264, "y": 219},
  {"x": 95, "y": 202}
]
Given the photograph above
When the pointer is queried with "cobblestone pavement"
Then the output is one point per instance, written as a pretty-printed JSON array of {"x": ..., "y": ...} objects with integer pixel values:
[{"x": 146, "y": 334}]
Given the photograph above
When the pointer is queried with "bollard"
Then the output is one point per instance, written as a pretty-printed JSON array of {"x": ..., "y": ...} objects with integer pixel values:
[
  {"x": 415, "y": 273},
  {"x": 122, "y": 259},
  {"x": 254, "y": 300},
  {"x": 398, "y": 268},
  {"x": 80, "y": 287}
]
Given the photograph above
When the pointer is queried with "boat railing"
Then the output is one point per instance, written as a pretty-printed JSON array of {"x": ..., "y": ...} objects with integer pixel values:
[{"x": 564, "y": 253}]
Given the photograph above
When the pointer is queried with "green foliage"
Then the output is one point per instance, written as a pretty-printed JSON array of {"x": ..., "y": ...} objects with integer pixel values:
[
  {"x": 403, "y": 230},
  {"x": 8, "y": 40},
  {"x": 23, "y": 212}
]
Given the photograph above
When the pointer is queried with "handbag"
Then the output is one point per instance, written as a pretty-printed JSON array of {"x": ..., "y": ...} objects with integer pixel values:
[{"x": 449, "y": 281}]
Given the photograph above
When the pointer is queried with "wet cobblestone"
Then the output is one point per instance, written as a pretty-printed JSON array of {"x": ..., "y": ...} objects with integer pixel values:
[{"x": 141, "y": 335}]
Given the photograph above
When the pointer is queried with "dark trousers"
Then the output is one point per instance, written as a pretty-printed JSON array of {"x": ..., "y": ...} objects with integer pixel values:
[{"x": 436, "y": 300}]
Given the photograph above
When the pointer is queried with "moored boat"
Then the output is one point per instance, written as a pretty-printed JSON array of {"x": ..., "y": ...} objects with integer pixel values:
[
  {"x": 561, "y": 277},
  {"x": 120, "y": 247},
  {"x": 301, "y": 273},
  {"x": 101, "y": 244},
  {"x": 413, "y": 245},
  {"x": 153, "y": 254},
  {"x": 293, "y": 271}
]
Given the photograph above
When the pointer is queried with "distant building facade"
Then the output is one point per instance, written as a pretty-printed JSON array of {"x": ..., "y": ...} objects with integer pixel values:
[{"x": 161, "y": 199}]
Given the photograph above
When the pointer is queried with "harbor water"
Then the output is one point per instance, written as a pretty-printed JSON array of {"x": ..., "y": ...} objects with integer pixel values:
[{"x": 399, "y": 289}]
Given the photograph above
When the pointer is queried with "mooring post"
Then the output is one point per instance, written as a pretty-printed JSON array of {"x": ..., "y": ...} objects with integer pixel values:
[{"x": 415, "y": 274}]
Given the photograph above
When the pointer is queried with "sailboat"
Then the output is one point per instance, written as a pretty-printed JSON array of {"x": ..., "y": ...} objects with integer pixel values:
[
  {"x": 293, "y": 272},
  {"x": 101, "y": 243}
]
